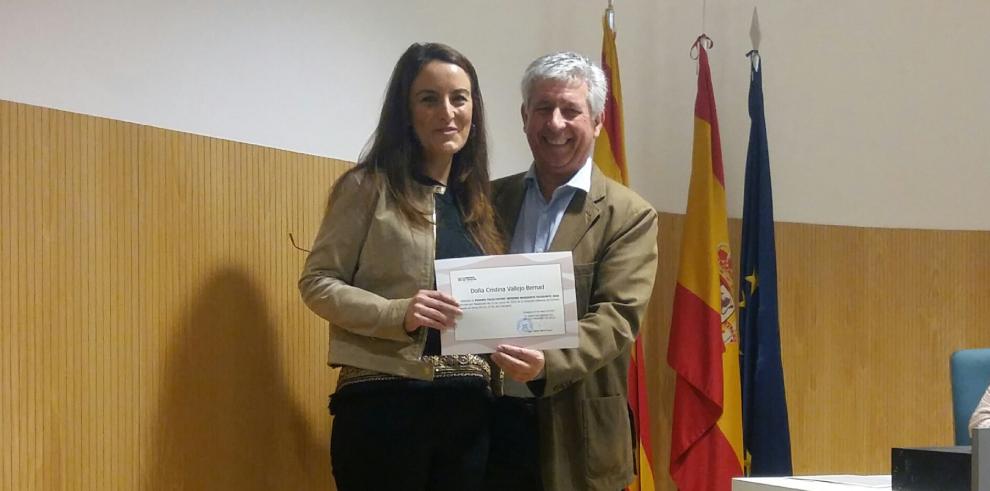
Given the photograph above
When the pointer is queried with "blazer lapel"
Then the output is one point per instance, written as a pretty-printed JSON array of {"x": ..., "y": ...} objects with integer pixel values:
[
  {"x": 508, "y": 199},
  {"x": 580, "y": 215}
]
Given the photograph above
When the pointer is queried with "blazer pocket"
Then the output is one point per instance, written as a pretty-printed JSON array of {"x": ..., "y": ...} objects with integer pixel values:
[
  {"x": 607, "y": 446},
  {"x": 584, "y": 279}
]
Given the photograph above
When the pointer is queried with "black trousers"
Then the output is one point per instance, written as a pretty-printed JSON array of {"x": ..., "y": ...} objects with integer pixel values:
[
  {"x": 514, "y": 461},
  {"x": 434, "y": 439}
]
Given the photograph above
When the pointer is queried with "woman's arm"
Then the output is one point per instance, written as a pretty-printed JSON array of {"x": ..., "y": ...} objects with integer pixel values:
[{"x": 327, "y": 280}]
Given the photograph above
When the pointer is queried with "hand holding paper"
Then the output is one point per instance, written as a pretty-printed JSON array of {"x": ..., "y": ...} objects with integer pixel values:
[
  {"x": 433, "y": 309},
  {"x": 519, "y": 364}
]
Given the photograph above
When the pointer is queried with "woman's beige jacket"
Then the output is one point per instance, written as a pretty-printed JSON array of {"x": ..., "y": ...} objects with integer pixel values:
[{"x": 366, "y": 264}]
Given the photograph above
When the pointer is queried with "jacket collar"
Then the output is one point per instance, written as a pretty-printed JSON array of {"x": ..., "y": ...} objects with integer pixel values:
[{"x": 581, "y": 213}]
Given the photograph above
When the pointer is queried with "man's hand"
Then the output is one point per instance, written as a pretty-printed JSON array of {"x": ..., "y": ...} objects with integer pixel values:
[
  {"x": 520, "y": 364},
  {"x": 433, "y": 309}
]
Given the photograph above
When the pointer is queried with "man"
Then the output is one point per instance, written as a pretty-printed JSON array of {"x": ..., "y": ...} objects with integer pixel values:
[
  {"x": 981, "y": 415},
  {"x": 564, "y": 423}
]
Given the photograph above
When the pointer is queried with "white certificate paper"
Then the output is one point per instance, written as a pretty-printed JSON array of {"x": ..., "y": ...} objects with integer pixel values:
[{"x": 525, "y": 300}]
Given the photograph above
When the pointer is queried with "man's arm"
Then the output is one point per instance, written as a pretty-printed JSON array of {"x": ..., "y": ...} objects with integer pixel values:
[
  {"x": 622, "y": 285},
  {"x": 981, "y": 417}
]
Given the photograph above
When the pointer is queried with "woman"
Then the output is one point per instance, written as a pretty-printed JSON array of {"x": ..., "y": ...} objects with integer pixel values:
[{"x": 404, "y": 416}]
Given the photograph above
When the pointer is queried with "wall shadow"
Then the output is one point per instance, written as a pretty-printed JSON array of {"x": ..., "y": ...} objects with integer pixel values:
[{"x": 225, "y": 418}]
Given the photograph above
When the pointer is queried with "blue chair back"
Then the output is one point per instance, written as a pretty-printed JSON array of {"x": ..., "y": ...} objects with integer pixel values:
[{"x": 970, "y": 373}]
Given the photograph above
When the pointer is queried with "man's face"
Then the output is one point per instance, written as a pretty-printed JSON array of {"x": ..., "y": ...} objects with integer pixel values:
[{"x": 559, "y": 128}]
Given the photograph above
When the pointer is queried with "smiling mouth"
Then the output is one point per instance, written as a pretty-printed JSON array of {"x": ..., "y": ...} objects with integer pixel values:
[{"x": 448, "y": 131}]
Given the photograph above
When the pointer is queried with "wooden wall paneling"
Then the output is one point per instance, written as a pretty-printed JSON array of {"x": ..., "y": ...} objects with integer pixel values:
[
  {"x": 870, "y": 324},
  {"x": 241, "y": 248},
  {"x": 34, "y": 253},
  {"x": 151, "y": 322},
  {"x": 17, "y": 291},
  {"x": 151, "y": 291},
  {"x": 80, "y": 299},
  {"x": 7, "y": 300},
  {"x": 32, "y": 372},
  {"x": 19, "y": 388},
  {"x": 123, "y": 312},
  {"x": 153, "y": 335},
  {"x": 151, "y": 175},
  {"x": 47, "y": 263},
  {"x": 65, "y": 437}
]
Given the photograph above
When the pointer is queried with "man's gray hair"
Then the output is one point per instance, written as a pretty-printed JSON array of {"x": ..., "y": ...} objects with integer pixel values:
[{"x": 568, "y": 67}]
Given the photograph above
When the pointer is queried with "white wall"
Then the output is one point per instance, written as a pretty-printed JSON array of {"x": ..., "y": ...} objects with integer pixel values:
[{"x": 878, "y": 112}]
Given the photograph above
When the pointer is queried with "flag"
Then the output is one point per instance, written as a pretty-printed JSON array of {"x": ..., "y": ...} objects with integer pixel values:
[
  {"x": 610, "y": 151},
  {"x": 766, "y": 437},
  {"x": 706, "y": 437},
  {"x": 610, "y": 157}
]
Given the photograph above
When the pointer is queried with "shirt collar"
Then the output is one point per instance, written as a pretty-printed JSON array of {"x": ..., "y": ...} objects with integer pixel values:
[
  {"x": 580, "y": 180},
  {"x": 436, "y": 186}
]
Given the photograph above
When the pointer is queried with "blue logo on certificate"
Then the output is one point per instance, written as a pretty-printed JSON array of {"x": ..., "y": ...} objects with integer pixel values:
[{"x": 524, "y": 325}]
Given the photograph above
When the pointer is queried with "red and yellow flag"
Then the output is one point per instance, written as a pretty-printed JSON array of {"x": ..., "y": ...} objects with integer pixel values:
[
  {"x": 706, "y": 438},
  {"x": 610, "y": 151},
  {"x": 610, "y": 157}
]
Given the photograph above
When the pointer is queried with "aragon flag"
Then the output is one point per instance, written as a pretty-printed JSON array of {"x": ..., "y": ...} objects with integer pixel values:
[
  {"x": 765, "y": 431},
  {"x": 610, "y": 151},
  {"x": 706, "y": 437},
  {"x": 610, "y": 157}
]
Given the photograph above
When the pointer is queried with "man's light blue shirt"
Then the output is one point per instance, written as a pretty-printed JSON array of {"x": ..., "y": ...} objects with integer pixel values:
[
  {"x": 536, "y": 227},
  {"x": 538, "y": 219}
]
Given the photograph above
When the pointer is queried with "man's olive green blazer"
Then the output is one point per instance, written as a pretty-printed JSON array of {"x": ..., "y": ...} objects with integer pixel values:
[{"x": 586, "y": 436}]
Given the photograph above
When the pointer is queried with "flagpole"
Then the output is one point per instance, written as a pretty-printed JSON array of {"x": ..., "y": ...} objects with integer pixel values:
[
  {"x": 754, "y": 37},
  {"x": 610, "y": 158},
  {"x": 609, "y": 153},
  {"x": 766, "y": 432},
  {"x": 704, "y": 11},
  {"x": 610, "y": 15},
  {"x": 703, "y": 348}
]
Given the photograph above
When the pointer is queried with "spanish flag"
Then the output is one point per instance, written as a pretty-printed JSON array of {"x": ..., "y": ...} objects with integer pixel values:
[
  {"x": 610, "y": 156},
  {"x": 706, "y": 438}
]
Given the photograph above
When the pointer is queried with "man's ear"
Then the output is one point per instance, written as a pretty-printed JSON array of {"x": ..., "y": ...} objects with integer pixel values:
[
  {"x": 522, "y": 111},
  {"x": 598, "y": 124}
]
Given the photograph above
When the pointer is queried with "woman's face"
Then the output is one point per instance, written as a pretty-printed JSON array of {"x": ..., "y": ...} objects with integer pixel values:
[{"x": 441, "y": 106}]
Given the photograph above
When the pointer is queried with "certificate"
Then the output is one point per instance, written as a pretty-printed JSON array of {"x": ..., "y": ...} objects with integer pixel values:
[{"x": 525, "y": 300}]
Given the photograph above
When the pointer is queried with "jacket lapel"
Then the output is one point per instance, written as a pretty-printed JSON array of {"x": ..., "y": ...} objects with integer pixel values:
[
  {"x": 580, "y": 215},
  {"x": 508, "y": 199}
]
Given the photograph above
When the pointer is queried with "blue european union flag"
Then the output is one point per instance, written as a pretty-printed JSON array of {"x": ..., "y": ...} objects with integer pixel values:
[{"x": 766, "y": 437}]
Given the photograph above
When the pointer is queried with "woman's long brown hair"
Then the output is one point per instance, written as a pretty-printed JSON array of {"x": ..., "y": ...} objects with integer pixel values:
[{"x": 395, "y": 153}]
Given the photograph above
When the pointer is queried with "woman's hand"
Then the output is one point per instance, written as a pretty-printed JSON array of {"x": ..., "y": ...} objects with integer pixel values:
[
  {"x": 432, "y": 309},
  {"x": 519, "y": 364}
]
